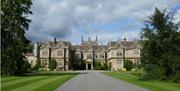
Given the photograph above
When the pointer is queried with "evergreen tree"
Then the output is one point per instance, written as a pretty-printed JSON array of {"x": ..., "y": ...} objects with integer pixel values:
[
  {"x": 161, "y": 47},
  {"x": 52, "y": 64},
  {"x": 38, "y": 64},
  {"x": 14, "y": 23}
]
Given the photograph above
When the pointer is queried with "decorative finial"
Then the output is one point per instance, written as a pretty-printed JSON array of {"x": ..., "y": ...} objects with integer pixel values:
[
  {"x": 55, "y": 39},
  {"x": 82, "y": 38},
  {"x": 96, "y": 38}
]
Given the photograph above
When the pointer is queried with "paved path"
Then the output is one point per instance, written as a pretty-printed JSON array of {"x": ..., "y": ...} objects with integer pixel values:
[{"x": 97, "y": 81}]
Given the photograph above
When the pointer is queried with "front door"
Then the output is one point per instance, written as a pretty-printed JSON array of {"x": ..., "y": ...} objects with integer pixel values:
[{"x": 89, "y": 66}]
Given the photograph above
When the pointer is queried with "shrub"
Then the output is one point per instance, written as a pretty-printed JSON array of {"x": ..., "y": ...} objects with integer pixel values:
[
  {"x": 27, "y": 66},
  {"x": 123, "y": 69},
  {"x": 105, "y": 66},
  {"x": 99, "y": 66},
  {"x": 154, "y": 73},
  {"x": 176, "y": 78},
  {"x": 128, "y": 65}
]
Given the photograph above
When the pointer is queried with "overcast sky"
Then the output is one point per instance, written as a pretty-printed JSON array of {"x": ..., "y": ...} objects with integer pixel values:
[{"x": 108, "y": 19}]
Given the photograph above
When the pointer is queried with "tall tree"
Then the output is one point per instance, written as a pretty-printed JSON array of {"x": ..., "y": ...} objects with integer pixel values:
[
  {"x": 161, "y": 47},
  {"x": 14, "y": 23},
  {"x": 38, "y": 64},
  {"x": 52, "y": 64}
]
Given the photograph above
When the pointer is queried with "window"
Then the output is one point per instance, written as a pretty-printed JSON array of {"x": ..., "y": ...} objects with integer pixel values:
[
  {"x": 59, "y": 53},
  {"x": 136, "y": 51},
  {"x": 77, "y": 56},
  {"x": 136, "y": 62},
  {"x": 89, "y": 56},
  {"x": 60, "y": 63},
  {"x": 119, "y": 61},
  {"x": 44, "y": 53},
  {"x": 101, "y": 55},
  {"x": 96, "y": 55},
  {"x": 82, "y": 55},
  {"x": 112, "y": 54},
  {"x": 44, "y": 63},
  {"x": 119, "y": 54}
]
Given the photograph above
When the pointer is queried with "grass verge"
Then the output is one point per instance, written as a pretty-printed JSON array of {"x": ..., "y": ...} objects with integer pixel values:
[
  {"x": 43, "y": 81},
  {"x": 155, "y": 85}
]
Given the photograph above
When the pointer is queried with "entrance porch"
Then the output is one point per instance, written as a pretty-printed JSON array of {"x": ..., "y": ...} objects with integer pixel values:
[{"x": 89, "y": 66}]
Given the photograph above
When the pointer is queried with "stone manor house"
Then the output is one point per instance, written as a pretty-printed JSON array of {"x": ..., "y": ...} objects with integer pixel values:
[{"x": 63, "y": 52}]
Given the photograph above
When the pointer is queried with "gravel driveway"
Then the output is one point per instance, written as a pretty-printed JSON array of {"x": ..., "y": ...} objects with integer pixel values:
[{"x": 97, "y": 81}]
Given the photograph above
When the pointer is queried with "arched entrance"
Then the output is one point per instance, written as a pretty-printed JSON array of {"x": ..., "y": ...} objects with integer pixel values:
[{"x": 89, "y": 65}]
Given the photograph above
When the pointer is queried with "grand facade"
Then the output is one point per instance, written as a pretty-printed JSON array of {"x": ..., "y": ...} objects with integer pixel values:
[{"x": 64, "y": 53}]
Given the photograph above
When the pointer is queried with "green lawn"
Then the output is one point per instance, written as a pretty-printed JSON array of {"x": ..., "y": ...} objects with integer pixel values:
[
  {"x": 44, "y": 81},
  {"x": 154, "y": 85}
]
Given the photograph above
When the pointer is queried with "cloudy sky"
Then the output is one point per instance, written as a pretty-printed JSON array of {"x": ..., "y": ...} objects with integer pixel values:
[{"x": 108, "y": 19}]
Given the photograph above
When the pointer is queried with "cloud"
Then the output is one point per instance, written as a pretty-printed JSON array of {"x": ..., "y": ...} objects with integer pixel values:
[
  {"x": 177, "y": 16},
  {"x": 69, "y": 19}
]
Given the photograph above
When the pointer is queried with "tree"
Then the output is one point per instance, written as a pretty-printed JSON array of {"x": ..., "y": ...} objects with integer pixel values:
[
  {"x": 38, "y": 64},
  {"x": 105, "y": 66},
  {"x": 27, "y": 66},
  {"x": 128, "y": 65},
  {"x": 160, "y": 54},
  {"x": 99, "y": 65},
  {"x": 52, "y": 64},
  {"x": 14, "y": 23}
]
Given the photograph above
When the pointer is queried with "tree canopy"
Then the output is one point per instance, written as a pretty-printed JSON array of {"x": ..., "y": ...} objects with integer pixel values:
[
  {"x": 14, "y": 23},
  {"x": 161, "y": 47}
]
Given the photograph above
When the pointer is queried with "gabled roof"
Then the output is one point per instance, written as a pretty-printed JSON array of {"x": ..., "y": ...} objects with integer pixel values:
[
  {"x": 87, "y": 47},
  {"x": 53, "y": 44},
  {"x": 124, "y": 44}
]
